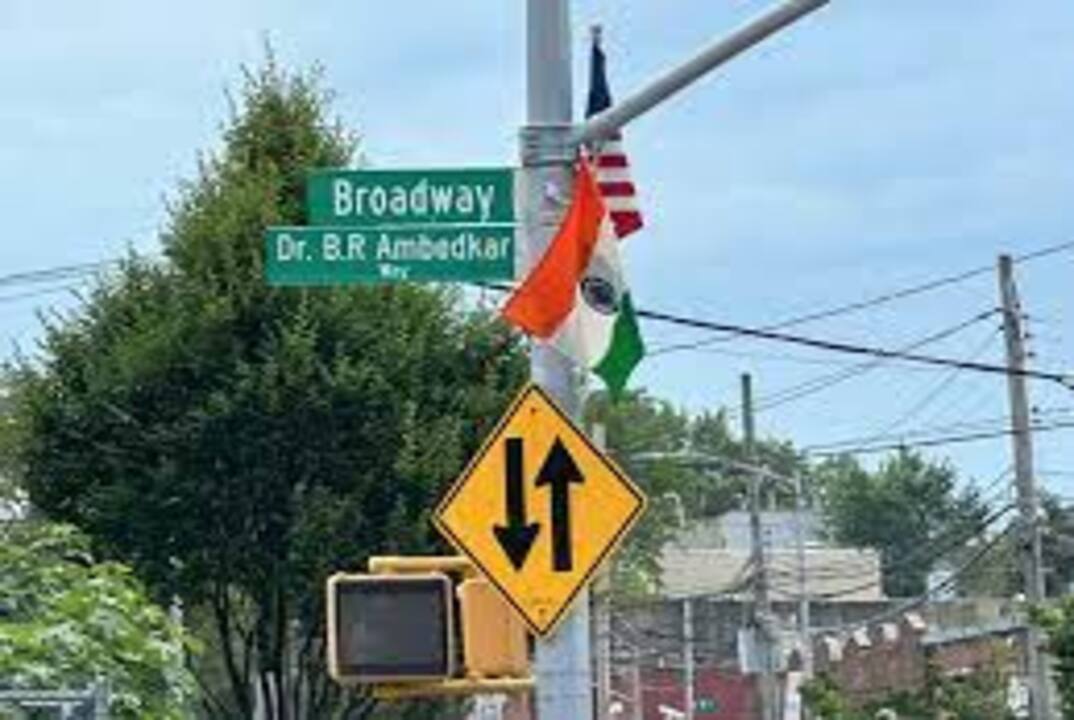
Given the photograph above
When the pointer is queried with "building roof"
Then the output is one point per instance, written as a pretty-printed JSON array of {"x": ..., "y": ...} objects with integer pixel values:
[
  {"x": 835, "y": 574},
  {"x": 732, "y": 530}
]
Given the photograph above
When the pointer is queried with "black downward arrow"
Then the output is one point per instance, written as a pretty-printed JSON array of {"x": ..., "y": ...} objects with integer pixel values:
[
  {"x": 559, "y": 471},
  {"x": 517, "y": 536}
]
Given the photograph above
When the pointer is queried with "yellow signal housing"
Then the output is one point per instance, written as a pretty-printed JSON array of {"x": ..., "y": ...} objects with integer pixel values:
[
  {"x": 494, "y": 640},
  {"x": 365, "y": 643}
]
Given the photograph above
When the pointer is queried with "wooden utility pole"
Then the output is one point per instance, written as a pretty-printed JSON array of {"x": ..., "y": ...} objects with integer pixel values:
[
  {"x": 1029, "y": 542},
  {"x": 762, "y": 607}
]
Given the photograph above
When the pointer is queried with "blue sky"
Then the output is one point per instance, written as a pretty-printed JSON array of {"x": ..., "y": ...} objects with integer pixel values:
[{"x": 875, "y": 145}]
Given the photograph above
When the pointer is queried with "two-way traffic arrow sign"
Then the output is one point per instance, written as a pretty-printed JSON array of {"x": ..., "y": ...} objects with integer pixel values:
[
  {"x": 539, "y": 509},
  {"x": 517, "y": 536},
  {"x": 558, "y": 473}
]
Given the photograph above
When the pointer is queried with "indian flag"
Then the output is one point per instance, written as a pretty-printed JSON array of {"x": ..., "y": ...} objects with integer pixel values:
[{"x": 576, "y": 297}]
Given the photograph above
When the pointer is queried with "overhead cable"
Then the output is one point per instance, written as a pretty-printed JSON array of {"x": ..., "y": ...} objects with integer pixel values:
[
  {"x": 823, "y": 382},
  {"x": 925, "y": 596},
  {"x": 852, "y": 349},
  {"x": 931, "y": 442},
  {"x": 870, "y": 302}
]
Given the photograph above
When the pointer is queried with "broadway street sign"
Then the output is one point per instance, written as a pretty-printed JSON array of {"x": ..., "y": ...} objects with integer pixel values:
[
  {"x": 342, "y": 256},
  {"x": 411, "y": 197}
]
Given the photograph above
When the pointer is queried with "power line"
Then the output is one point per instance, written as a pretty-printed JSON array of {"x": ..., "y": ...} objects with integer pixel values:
[
  {"x": 928, "y": 553},
  {"x": 58, "y": 272},
  {"x": 931, "y": 442},
  {"x": 17, "y": 297},
  {"x": 868, "y": 303},
  {"x": 966, "y": 566},
  {"x": 996, "y": 422},
  {"x": 946, "y": 539},
  {"x": 937, "y": 390},
  {"x": 799, "y": 359},
  {"x": 818, "y": 384},
  {"x": 925, "y": 596},
  {"x": 849, "y": 348}
]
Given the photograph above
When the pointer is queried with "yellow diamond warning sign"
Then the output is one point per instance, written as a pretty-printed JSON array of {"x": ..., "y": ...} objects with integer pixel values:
[{"x": 539, "y": 508}]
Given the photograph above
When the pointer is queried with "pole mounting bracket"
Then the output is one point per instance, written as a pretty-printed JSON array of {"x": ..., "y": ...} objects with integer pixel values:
[{"x": 547, "y": 144}]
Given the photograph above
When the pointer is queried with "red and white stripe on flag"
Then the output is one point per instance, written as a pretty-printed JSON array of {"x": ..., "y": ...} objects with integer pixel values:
[{"x": 617, "y": 186}]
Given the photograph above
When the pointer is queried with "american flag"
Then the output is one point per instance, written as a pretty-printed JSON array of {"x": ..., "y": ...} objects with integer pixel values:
[{"x": 613, "y": 168}]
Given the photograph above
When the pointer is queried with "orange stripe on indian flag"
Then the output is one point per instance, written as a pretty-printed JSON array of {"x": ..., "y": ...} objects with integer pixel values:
[{"x": 546, "y": 297}]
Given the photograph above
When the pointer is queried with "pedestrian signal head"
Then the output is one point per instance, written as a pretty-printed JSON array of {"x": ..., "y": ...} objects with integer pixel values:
[{"x": 390, "y": 628}]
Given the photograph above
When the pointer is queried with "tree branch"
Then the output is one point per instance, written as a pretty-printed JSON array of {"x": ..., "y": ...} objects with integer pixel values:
[{"x": 221, "y": 612}]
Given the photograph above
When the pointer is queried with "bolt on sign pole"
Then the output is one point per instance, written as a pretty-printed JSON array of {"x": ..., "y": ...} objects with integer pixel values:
[{"x": 563, "y": 661}]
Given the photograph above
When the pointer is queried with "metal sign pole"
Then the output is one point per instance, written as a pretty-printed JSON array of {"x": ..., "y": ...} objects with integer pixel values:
[{"x": 563, "y": 661}]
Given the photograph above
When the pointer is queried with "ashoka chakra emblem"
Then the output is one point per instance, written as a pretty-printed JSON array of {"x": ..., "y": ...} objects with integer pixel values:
[{"x": 600, "y": 295}]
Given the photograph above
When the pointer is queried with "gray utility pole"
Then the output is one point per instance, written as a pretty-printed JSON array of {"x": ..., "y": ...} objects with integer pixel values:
[
  {"x": 548, "y": 142},
  {"x": 803, "y": 581},
  {"x": 762, "y": 607},
  {"x": 688, "y": 656},
  {"x": 563, "y": 666},
  {"x": 1029, "y": 544},
  {"x": 602, "y": 609}
]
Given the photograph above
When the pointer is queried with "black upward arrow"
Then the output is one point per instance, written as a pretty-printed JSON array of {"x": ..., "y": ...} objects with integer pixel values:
[
  {"x": 517, "y": 536},
  {"x": 559, "y": 470}
]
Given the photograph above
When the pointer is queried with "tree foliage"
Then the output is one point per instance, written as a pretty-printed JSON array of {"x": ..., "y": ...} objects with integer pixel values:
[
  {"x": 686, "y": 466},
  {"x": 980, "y": 694},
  {"x": 912, "y": 511},
  {"x": 236, "y": 443},
  {"x": 637, "y": 424},
  {"x": 67, "y": 622},
  {"x": 1057, "y": 621},
  {"x": 1057, "y": 541},
  {"x": 999, "y": 573}
]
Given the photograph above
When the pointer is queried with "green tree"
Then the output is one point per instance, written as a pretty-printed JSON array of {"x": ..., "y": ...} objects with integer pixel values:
[
  {"x": 909, "y": 509},
  {"x": 824, "y": 700},
  {"x": 686, "y": 466},
  {"x": 1057, "y": 621},
  {"x": 977, "y": 695},
  {"x": 1057, "y": 541},
  {"x": 236, "y": 443},
  {"x": 727, "y": 488},
  {"x": 639, "y": 429},
  {"x": 999, "y": 574},
  {"x": 67, "y": 621}
]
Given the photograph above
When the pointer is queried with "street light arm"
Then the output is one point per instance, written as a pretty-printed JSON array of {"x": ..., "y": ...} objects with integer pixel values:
[{"x": 603, "y": 124}]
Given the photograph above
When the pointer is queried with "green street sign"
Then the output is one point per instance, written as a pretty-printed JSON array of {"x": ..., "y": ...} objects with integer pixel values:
[
  {"x": 411, "y": 197},
  {"x": 706, "y": 705},
  {"x": 356, "y": 255}
]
